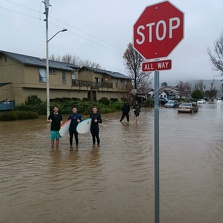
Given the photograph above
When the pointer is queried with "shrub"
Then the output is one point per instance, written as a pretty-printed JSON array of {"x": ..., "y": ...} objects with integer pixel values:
[
  {"x": 148, "y": 103},
  {"x": 117, "y": 105},
  {"x": 113, "y": 99},
  {"x": 85, "y": 99},
  {"x": 104, "y": 101},
  {"x": 76, "y": 99},
  {"x": 105, "y": 110},
  {"x": 27, "y": 115},
  {"x": 124, "y": 99},
  {"x": 114, "y": 106},
  {"x": 15, "y": 115},
  {"x": 84, "y": 107},
  {"x": 33, "y": 99}
]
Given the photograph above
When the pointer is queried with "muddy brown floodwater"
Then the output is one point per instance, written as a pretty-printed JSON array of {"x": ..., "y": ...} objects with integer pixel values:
[{"x": 114, "y": 183}]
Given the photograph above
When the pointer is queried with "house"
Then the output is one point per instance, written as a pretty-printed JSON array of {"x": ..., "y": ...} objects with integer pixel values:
[
  {"x": 105, "y": 83},
  {"x": 168, "y": 92},
  {"x": 22, "y": 76}
]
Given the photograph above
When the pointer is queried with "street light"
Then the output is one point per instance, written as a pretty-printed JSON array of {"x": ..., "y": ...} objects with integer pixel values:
[{"x": 47, "y": 70}]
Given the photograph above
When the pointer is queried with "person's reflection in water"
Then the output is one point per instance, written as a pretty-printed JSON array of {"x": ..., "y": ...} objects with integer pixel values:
[
  {"x": 73, "y": 157},
  {"x": 73, "y": 149},
  {"x": 56, "y": 158},
  {"x": 94, "y": 159}
]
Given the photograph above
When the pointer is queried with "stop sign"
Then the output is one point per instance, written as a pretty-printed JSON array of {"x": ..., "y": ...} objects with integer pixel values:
[{"x": 158, "y": 30}]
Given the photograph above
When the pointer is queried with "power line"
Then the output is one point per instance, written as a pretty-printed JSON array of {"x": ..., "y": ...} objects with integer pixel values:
[
  {"x": 81, "y": 36},
  {"x": 19, "y": 13},
  {"x": 20, "y": 5},
  {"x": 86, "y": 33}
]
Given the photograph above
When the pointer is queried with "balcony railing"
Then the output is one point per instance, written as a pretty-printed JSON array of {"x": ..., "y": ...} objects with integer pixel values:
[
  {"x": 79, "y": 84},
  {"x": 101, "y": 85}
]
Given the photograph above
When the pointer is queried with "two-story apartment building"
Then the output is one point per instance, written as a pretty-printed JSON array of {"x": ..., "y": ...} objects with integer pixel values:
[{"x": 22, "y": 75}]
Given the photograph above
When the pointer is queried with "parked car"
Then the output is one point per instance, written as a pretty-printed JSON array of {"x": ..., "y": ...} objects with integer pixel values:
[
  {"x": 187, "y": 108},
  {"x": 201, "y": 101},
  {"x": 163, "y": 101},
  {"x": 171, "y": 104}
]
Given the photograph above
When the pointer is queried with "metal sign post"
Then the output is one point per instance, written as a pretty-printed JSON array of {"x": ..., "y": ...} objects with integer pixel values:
[
  {"x": 156, "y": 144},
  {"x": 160, "y": 24}
]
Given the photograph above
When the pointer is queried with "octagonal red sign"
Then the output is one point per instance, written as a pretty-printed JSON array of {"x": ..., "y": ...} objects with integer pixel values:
[{"x": 158, "y": 30}]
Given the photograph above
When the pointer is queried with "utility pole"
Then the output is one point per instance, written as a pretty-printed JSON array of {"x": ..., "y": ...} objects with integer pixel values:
[{"x": 47, "y": 4}]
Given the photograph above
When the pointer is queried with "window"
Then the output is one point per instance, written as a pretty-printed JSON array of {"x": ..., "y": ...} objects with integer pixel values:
[
  {"x": 116, "y": 83},
  {"x": 74, "y": 82},
  {"x": 42, "y": 75},
  {"x": 96, "y": 80},
  {"x": 63, "y": 78},
  {"x": 52, "y": 71}
]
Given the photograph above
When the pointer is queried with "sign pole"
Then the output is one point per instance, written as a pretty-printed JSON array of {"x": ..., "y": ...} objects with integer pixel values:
[
  {"x": 159, "y": 24},
  {"x": 156, "y": 144}
]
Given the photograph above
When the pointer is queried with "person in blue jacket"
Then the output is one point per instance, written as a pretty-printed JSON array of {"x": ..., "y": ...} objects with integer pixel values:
[
  {"x": 95, "y": 119},
  {"x": 75, "y": 119}
]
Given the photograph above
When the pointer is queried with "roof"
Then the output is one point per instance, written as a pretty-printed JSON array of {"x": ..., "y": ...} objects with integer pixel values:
[
  {"x": 41, "y": 62},
  {"x": 169, "y": 92},
  {"x": 36, "y": 61},
  {"x": 110, "y": 73},
  {"x": 173, "y": 88}
]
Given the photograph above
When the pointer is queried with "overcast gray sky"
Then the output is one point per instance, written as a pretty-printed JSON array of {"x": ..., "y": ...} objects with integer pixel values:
[{"x": 100, "y": 30}]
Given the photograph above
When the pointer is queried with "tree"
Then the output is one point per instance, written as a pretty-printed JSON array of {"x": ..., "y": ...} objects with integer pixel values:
[
  {"x": 164, "y": 84},
  {"x": 199, "y": 85},
  {"x": 55, "y": 58},
  {"x": 211, "y": 93},
  {"x": 133, "y": 63},
  {"x": 184, "y": 89},
  {"x": 89, "y": 63},
  {"x": 68, "y": 58},
  {"x": 217, "y": 57},
  {"x": 197, "y": 94}
]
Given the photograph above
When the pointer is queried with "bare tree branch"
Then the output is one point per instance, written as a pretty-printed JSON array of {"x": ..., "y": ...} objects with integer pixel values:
[
  {"x": 133, "y": 63},
  {"x": 68, "y": 58},
  {"x": 217, "y": 57}
]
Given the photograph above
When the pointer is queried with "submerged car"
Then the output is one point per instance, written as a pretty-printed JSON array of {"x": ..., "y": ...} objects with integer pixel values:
[
  {"x": 187, "y": 108},
  {"x": 163, "y": 101},
  {"x": 201, "y": 101},
  {"x": 171, "y": 104}
]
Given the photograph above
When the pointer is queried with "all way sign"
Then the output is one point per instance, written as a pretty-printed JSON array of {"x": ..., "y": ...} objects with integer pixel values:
[{"x": 157, "y": 65}]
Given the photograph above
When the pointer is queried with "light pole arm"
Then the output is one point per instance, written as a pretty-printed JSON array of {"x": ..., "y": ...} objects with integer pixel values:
[
  {"x": 47, "y": 70},
  {"x": 63, "y": 30}
]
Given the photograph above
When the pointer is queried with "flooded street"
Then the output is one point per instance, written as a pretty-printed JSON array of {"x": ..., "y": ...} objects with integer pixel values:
[{"x": 114, "y": 183}]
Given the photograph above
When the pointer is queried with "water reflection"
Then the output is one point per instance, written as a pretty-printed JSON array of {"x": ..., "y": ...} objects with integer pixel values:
[
  {"x": 115, "y": 182},
  {"x": 56, "y": 158}
]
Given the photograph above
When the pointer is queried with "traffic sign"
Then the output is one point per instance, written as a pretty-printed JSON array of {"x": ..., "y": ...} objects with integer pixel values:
[
  {"x": 158, "y": 30},
  {"x": 157, "y": 65}
]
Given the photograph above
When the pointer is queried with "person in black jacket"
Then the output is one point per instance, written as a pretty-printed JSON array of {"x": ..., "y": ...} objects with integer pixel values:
[
  {"x": 137, "y": 110},
  {"x": 95, "y": 119},
  {"x": 56, "y": 121},
  {"x": 75, "y": 119},
  {"x": 125, "y": 111}
]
